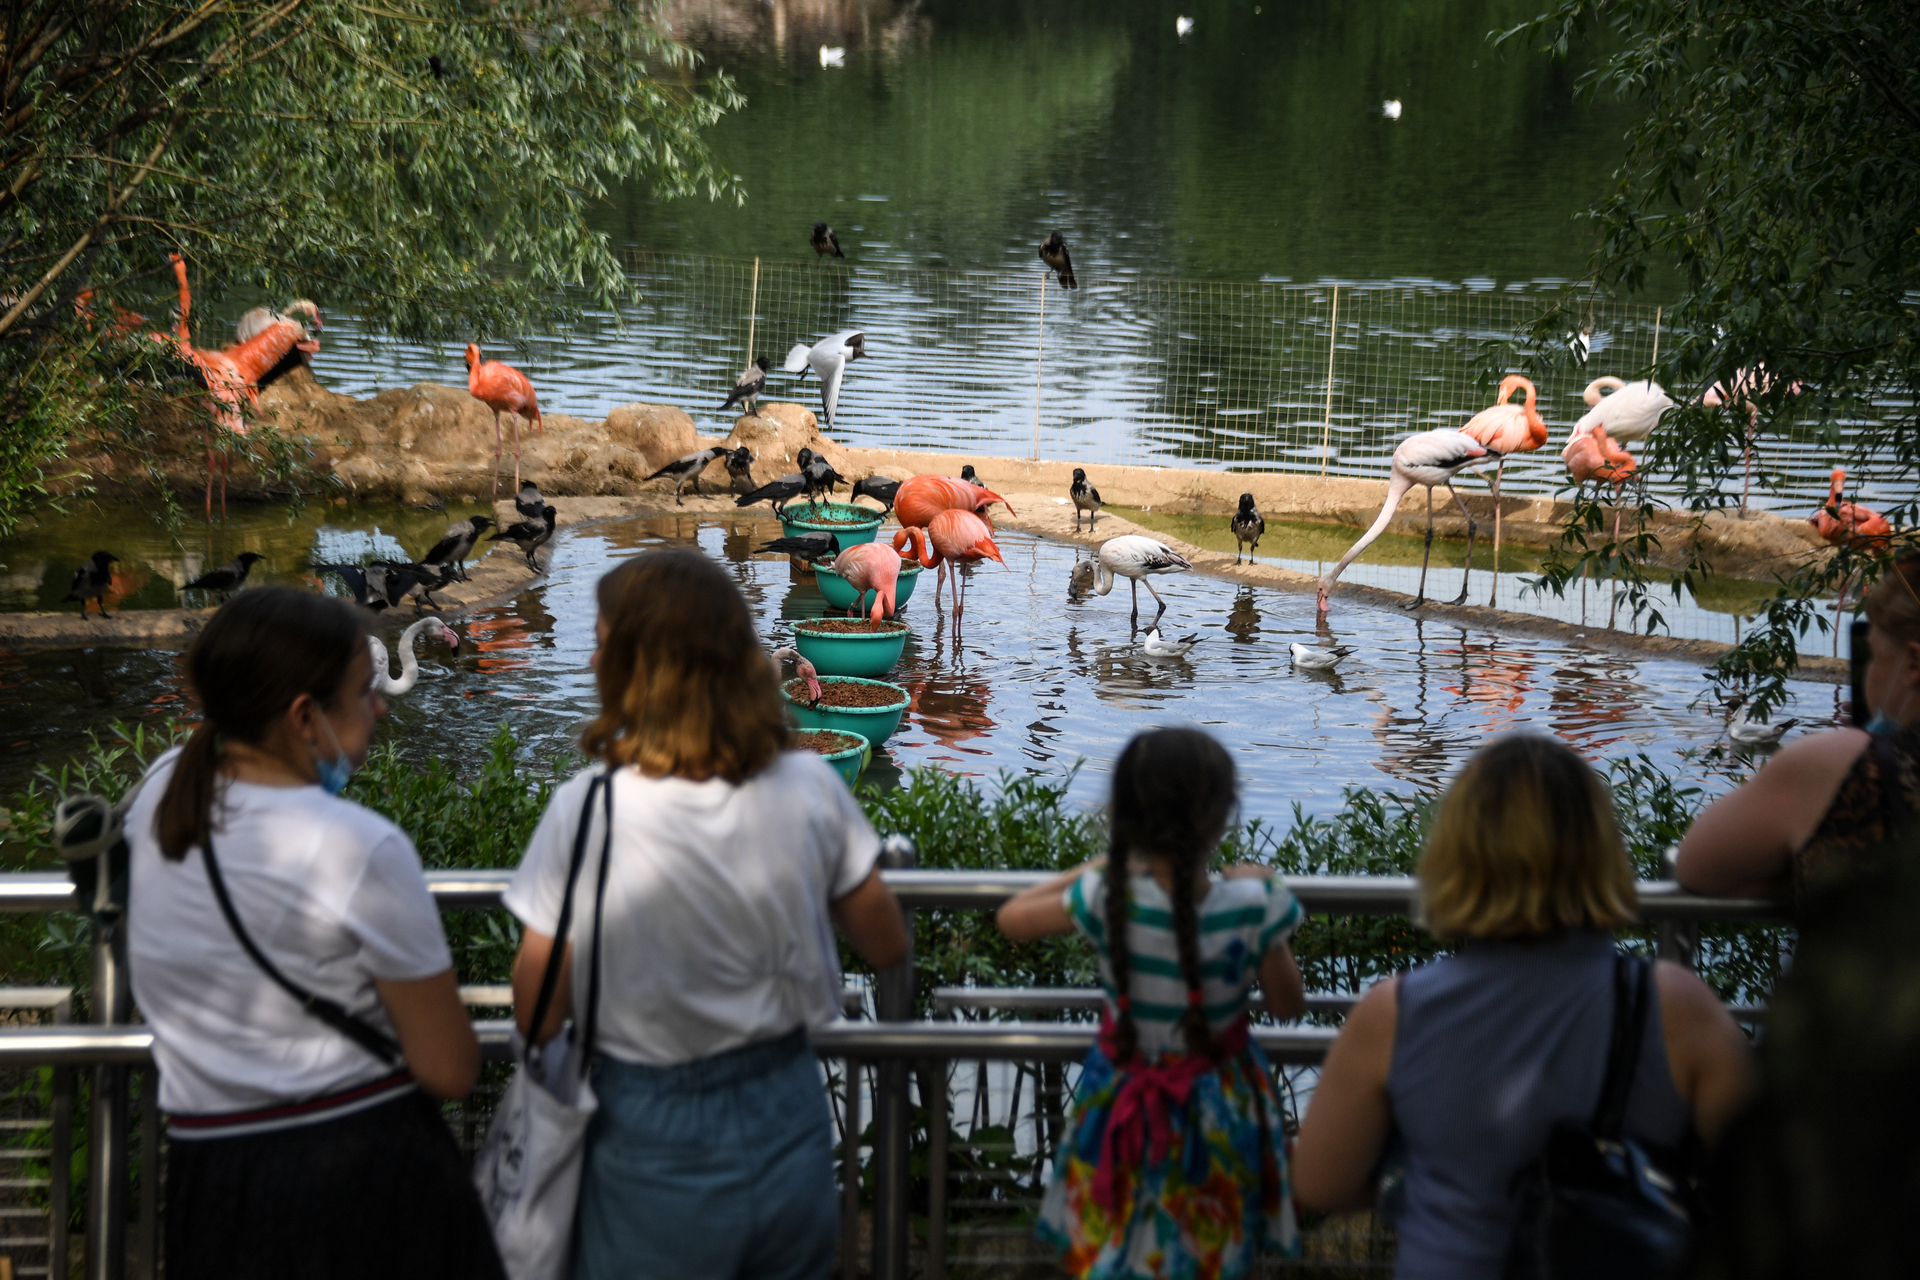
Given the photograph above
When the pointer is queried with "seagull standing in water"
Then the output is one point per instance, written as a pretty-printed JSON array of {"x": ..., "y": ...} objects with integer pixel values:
[
  {"x": 1308, "y": 658},
  {"x": 1750, "y": 733},
  {"x": 1433, "y": 459},
  {"x": 1154, "y": 647},
  {"x": 829, "y": 358},
  {"x": 1134, "y": 557}
]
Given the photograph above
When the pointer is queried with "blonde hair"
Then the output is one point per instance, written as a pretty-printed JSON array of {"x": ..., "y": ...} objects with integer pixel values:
[
  {"x": 1525, "y": 845},
  {"x": 684, "y": 686},
  {"x": 1893, "y": 603}
]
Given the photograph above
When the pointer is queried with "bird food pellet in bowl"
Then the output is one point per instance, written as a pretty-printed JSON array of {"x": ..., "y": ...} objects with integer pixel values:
[
  {"x": 837, "y": 693},
  {"x": 826, "y": 742},
  {"x": 849, "y": 627}
]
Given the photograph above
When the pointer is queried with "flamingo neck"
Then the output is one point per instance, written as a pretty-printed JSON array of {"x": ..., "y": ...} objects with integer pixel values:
[{"x": 1395, "y": 491}]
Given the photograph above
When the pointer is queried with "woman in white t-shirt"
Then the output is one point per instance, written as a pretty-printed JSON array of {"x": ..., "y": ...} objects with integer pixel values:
[
  {"x": 303, "y": 1145},
  {"x": 730, "y": 863}
]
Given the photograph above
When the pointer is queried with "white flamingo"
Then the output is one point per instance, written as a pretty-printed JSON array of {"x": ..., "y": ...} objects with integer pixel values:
[
  {"x": 1135, "y": 558},
  {"x": 1433, "y": 459},
  {"x": 384, "y": 683},
  {"x": 829, "y": 358},
  {"x": 1629, "y": 414}
]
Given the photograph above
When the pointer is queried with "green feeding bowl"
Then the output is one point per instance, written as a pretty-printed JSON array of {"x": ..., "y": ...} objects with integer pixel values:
[
  {"x": 840, "y": 595},
  {"x": 876, "y": 724},
  {"x": 850, "y": 523},
  {"x": 849, "y": 653},
  {"x": 849, "y": 758}
]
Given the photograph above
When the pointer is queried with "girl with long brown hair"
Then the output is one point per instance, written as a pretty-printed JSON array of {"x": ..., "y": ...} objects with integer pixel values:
[
  {"x": 1175, "y": 1163},
  {"x": 290, "y": 961},
  {"x": 705, "y": 941}
]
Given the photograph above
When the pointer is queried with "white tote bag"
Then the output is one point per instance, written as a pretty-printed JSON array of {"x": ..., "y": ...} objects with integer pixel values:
[{"x": 528, "y": 1171}]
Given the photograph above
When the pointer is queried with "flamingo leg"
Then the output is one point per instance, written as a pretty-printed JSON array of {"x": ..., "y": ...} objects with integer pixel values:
[
  {"x": 1135, "y": 584},
  {"x": 496, "y": 455},
  {"x": 516, "y": 453},
  {"x": 1613, "y": 609},
  {"x": 1839, "y": 609},
  {"x": 226, "y": 459},
  {"x": 208, "y": 437},
  {"x": 1420, "y": 593},
  {"x": 1156, "y": 598},
  {"x": 1493, "y": 597},
  {"x": 1472, "y": 528}
]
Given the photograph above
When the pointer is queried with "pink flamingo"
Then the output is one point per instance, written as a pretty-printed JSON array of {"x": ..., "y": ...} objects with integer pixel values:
[
  {"x": 223, "y": 379},
  {"x": 871, "y": 567},
  {"x": 1591, "y": 454},
  {"x": 1433, "y": 459},
  {"x": 1506, "y": 429},
  {"x": 919, "y": 499},
  {"x": 954, "y": 536},
  {"x": 1848, "y": 524},
  {"x": 503, "y": 389},
  {"x": 1743, "y": 391}
]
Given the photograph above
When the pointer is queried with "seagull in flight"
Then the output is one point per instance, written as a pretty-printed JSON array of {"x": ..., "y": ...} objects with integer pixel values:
[{"x": 829, "y": 358}]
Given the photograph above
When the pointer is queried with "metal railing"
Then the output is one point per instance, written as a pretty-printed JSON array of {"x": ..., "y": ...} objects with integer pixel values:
[{"x": 892, "y": 1047}]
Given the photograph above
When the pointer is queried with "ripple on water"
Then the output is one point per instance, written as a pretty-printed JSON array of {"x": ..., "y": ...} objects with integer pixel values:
[{"x": 1029, "y": 681}]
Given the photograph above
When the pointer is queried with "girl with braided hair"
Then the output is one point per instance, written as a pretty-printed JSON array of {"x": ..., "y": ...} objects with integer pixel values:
[{"x": 1175, "y": 1163}]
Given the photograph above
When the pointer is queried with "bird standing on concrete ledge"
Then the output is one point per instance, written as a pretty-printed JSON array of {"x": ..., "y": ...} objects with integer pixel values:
[
  {"x": 229, "y": 577},
  {"x": 92, "y": 580},
  {"x": 687, "y": 468},
  {"x": 1086, "y": 499},
  {"x": 458, "y": 543},
  {"x": 1248, "y": 526},
  {"x": 528, "y": 536}
]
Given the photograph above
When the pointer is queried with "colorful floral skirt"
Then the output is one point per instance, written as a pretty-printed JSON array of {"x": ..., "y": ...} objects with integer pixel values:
[{"x": 1207, "y": 1194}]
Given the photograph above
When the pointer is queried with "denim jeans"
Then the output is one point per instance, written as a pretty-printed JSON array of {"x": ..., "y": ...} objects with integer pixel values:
[{"x": 712, "y": 1169}]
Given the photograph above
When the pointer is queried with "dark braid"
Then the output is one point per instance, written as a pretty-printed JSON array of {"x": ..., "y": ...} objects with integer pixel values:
[
  {"x": 1173, "y": 792},
  {"x": 1126, "y": 1037}
]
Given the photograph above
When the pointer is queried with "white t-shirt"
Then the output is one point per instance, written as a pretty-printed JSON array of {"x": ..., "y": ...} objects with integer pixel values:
[
  {"x": 332, "y": 893},
  {"x": 715, "y": 932}
]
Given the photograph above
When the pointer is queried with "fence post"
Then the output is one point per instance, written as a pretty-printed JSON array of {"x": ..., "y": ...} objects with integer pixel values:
[
  {"x": 107, "y": 1127},
  {"x": 1677, "y": 940},
  {"x": 1326, "y": 424},
  {"x": 60, "y": 1163},
  {"x": 1039, "y": 350},
  {"x": 892, "y": 1110}
]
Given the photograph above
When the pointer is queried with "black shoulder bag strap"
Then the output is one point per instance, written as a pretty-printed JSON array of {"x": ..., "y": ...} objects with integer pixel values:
[
  {"x": 601, "y": 786},
  {"x": 1897, "y": 812},
  {"x": 331, "y": 1012},
  {"x": 1630, "y": 975}
]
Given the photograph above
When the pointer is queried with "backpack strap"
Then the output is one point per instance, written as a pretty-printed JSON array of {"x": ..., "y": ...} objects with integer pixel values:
[
  {"x": 1631, "y": 996},
  {"x": 331, "y": 1012},
  {"x": 550, "y": 980},
  {"x": 591, "y": 1023}
]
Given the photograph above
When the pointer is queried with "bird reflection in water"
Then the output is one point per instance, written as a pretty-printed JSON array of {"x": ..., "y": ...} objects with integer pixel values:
[
  {"x": 1243, "y": 620},
  {"x": 1497, "y": 683},
  {"x": 1592, "y": 702},
  {"x": 1417, "y": 745},
  {"x": 502, "y": 637},
  {"x": 948, "y": 703}
]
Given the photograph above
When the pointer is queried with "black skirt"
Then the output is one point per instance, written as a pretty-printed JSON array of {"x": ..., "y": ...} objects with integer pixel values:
[{"x": 381, "y": 1194}]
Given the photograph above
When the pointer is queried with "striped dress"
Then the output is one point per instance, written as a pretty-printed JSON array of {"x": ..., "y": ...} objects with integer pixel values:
[{"x": 1175, "y": 1166}]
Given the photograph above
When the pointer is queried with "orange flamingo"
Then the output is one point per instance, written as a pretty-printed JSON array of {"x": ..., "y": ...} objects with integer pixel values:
[
  {"x": 1848, "y": 524},
  {"x": 223, "y": 380},
  {"x": 954, "y": 536},
  {"x": 503, "y": 389},
  {"x": 918, "y": 500},
  {"x": 1506, "y": 429},
  {"x": 873, "y": 567}
]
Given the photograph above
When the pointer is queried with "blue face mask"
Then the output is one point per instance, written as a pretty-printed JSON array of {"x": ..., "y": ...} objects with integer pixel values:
[
  {"x": 334, "y": 774},
  {"x": 1883, "y": 724}
]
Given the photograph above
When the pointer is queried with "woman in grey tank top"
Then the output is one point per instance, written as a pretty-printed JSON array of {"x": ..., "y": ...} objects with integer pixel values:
[{"x": 1476, "y": 1057}]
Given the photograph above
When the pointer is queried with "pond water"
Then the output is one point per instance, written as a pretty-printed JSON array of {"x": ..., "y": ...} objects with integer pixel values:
[{"x": 1029, "y": 680}]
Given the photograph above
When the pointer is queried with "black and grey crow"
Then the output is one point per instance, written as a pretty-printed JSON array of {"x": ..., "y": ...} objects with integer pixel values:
[
  {"x": 740, "y": 469},
  {"x": 458, "y": 543},
  {"x": 355, "y": 576},
  {"x": 747, "y": 388},
  {"x": 528, "y": 501},
  {"x": 528, "y": 536},
  {"x": 824, "y": 242},
  {"x": 820, "y": 478},
  {"x": 687, "y": 468},
  {"x": 418, "y": 582},
  {"x": 229, "y": 577},
  {"x": 967, "y": 474},
  {"x": 91, "y": 580},
  {"x": 1053, "y": 252},
  {"x": 879, "y": 488},
  {"x": 1247, "y": 527},
  {"x": 819, "y": 545},
  {"x": 1085, "y": 498},
  {"x": 784, "y": 490}
]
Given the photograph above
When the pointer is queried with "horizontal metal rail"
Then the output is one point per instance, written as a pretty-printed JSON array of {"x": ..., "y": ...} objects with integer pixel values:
[
  {"x": 31, "y": 891},
  {"x": 843, "y": 1038}
]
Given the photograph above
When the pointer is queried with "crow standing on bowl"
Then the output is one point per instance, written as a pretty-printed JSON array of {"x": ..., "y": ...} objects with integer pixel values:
[
  {"x": 818, "y": 545},
  {"x": 91, "y": 581},
  {"x": 748, "y": 386},
  {"x": 824, "y": 242},
  {"x": 687, "y": 468},
  {"x": 1086, "y": 499},
  {"x": 459, "y": 541},
  {"x": 1247, "y": 527},
  {"x": 879, "y": 488},
  {"x": 784, "y": 490},
  {"x": 229, "y": 577},
  {"x": 820, "y": 478},
  {"x": 528, "y": 536},
  {"x": 740, "y": 470},
  {"x": 1053, "y": 252}
]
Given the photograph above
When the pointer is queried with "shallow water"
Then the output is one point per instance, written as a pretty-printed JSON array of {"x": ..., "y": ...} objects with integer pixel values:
[{"x": 1030, "y": 680}]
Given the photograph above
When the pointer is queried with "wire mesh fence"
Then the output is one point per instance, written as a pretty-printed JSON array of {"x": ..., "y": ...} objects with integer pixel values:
[{"x": 1322, "y": 379}]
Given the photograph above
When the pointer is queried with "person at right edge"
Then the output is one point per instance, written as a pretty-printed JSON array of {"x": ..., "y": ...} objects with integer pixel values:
[{"x": 1828, "y": 805}]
